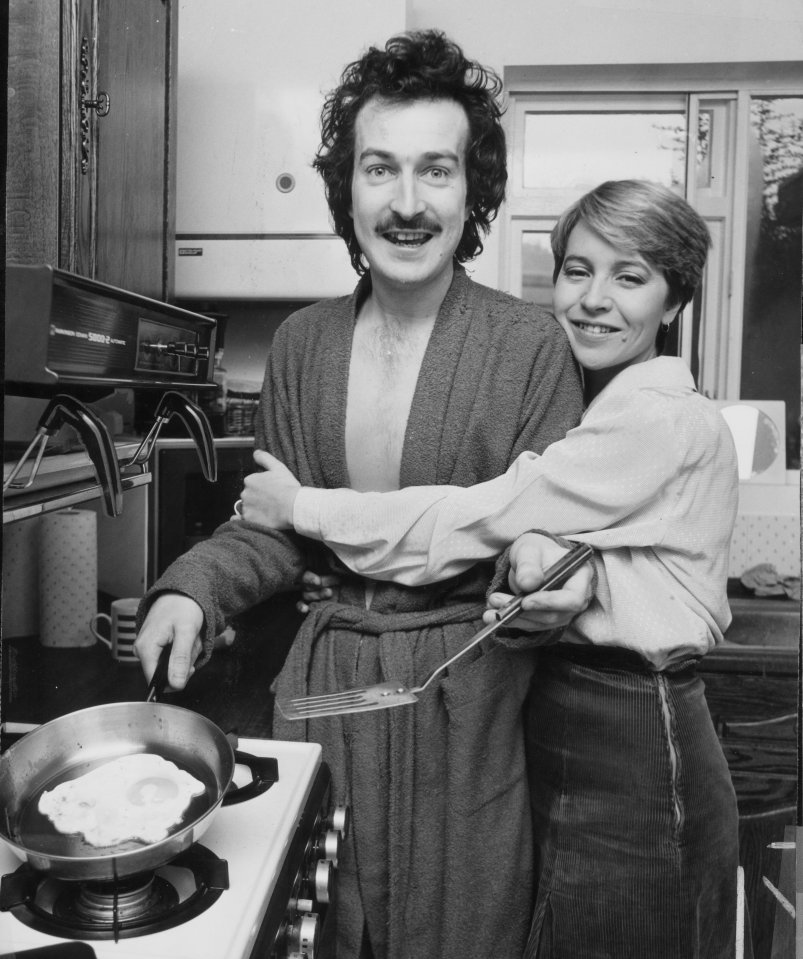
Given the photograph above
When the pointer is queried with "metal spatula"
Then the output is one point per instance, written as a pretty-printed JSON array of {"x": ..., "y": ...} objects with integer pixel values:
[{"x": 385, "y": 695}]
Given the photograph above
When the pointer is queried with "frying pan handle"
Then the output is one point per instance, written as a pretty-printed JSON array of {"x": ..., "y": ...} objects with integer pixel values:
[
  {"x": 61, "y": 950},
  {"x": 265, "y": 772},
  {"x": 159, "y": 678}
]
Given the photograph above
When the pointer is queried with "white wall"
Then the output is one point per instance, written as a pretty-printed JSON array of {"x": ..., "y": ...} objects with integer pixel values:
[{"x": 508, "y": 32}]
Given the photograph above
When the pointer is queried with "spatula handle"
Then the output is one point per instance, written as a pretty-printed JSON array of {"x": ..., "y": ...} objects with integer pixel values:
[{"x": 554, "y": 577}]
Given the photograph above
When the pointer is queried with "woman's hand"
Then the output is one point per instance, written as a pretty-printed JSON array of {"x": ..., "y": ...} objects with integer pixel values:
[
  {"x": 268, "y": 496},
  {"x": 315, "y": 588},
  {"x": 530, "y": 556}
]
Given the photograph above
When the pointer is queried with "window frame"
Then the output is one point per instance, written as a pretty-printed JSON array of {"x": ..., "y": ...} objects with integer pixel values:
[{"x": 724, "y": 88}]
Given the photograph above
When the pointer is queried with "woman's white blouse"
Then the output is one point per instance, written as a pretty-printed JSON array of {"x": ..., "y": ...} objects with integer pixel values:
[{"x": 649, "y": 479}]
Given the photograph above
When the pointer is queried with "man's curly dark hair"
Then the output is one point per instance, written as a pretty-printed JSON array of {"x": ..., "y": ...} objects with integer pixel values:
[{"x": 423, "y": 65}]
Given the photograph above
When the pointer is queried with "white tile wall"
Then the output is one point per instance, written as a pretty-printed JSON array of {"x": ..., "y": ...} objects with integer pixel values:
[{"x": 765, "y": 539}]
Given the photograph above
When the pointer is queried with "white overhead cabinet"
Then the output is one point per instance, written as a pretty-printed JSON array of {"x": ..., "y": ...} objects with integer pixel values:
[{"x": 251, "y": 218}]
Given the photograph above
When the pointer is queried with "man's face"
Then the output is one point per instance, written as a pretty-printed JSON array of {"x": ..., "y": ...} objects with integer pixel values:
[{"x": 409, "y": 189}]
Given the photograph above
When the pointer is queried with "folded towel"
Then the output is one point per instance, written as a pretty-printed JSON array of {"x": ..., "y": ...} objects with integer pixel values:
[{"x": 765, "y": 580}]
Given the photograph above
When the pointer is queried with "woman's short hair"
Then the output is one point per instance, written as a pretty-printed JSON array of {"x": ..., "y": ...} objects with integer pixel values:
[
  {"x": 423, "y": 65},
  {"x": 644, "y": 218}
]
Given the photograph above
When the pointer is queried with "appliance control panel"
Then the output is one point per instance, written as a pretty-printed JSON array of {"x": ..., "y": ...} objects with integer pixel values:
[
  {"x": 168, "y": 349},
  {"x": 305, "y": 892},
  {"x": 64, "y": 330}
]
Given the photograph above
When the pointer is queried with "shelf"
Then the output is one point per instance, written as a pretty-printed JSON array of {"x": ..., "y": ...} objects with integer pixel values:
[{"x": 25, "y": 505}]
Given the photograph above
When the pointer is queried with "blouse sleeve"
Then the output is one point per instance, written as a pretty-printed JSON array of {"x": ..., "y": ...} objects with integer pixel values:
[{"x": 608, "y": 483}]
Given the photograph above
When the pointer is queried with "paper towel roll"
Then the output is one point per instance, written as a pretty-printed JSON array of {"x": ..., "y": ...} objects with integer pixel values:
[
  {"x": 21, "y": 578},
  {"x": 68, "y": 577}
]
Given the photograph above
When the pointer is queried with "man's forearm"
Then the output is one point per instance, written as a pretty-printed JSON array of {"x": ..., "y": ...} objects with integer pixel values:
[{"x": 236, "y": 568}]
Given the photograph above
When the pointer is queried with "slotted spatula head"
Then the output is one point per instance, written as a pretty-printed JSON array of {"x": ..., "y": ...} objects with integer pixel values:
[{"x": 381, "y": 696}]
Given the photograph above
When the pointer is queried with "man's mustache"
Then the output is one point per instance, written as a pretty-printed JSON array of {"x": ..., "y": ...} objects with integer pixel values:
[{"x": 420, "y": 223}]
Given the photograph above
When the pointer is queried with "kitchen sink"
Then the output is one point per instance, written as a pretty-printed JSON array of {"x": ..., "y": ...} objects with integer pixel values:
[{"x": 764, "y": 622}]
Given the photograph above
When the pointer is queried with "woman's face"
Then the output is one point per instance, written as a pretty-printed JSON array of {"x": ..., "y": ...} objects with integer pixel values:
[{"x": 610, "y": 302}]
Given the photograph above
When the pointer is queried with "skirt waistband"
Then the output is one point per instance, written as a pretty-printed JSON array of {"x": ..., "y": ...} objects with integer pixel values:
[{"x": 614, "y": 657}]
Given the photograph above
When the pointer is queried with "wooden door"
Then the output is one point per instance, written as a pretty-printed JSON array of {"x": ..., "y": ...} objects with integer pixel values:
[
  {"x": 135, "y": 188},
  {"x": 50, "y": 169}
]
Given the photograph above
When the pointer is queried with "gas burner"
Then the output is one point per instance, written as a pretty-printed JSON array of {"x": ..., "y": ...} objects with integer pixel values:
[
  {"x": 103, "y": 903},
  {"x": 133, "y": 906}
]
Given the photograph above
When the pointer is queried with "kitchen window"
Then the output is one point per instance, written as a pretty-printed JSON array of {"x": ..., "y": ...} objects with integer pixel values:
[{"x": 727, "y": 137}]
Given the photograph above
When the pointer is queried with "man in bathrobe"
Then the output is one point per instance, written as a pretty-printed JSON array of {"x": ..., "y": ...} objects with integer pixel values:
[{"x": 421, "y": 376}]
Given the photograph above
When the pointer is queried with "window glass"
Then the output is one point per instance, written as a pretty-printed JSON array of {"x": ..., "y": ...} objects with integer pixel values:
[
  {"x": 575, "y": 152},
  {"x": 703, "y": 158},
  {"x": 773, "y": 258},
  {"x": 536, "y": 268}
]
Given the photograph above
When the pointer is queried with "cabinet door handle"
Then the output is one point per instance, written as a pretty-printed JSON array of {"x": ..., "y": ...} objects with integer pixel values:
[{"x": 101, "y": 106}]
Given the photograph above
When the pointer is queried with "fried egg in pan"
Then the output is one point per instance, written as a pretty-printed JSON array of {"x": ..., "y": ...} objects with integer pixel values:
[{"x": 137, "y": 797}]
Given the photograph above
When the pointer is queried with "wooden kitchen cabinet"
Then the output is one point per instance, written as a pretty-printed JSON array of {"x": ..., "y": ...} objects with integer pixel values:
[
  {"x": 91, "y": 193},
  {"x": 753, "y": 696}
]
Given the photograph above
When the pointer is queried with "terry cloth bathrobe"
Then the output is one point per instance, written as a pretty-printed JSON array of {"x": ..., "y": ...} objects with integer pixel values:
[{"x": 439, "y": 859}]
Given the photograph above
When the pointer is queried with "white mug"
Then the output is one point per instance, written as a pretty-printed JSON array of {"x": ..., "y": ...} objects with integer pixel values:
[{"x": 122, "y": 628}]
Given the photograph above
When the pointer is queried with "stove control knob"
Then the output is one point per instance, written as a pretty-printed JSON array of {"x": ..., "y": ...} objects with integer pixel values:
[
  {"x": 340, "y": 820},
  {"x": 320, "y": 878},
  {"x": 302, "y": 937},
  {"x": 328, "y": 846},
  {"x": 300, "y": 905}
]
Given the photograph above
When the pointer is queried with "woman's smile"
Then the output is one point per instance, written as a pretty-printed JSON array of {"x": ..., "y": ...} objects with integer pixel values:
[{"x": 593, "y": 329}]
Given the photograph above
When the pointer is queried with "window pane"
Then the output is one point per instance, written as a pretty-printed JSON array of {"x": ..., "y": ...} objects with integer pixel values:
[
  {"x": 576, "y": 151},
  {"x": 536, "y": 269},
  {"x": 770, "y": 362},
  {"x": 704, "y": 125}
]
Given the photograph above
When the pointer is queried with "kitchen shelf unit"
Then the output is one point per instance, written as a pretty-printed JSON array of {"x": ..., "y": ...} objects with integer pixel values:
[
  {"x": 36, "y": 503},
  {"x": 64, "y": 480}
]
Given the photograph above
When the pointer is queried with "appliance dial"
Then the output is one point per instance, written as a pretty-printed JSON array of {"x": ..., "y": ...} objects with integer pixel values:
[
  {"x": 340, "y": 820},
  {"x": 302, "y": 937},
  {"x": 300, "y": 905},
  {"x": 328, "y": 846},
  {"x": 320, "y": 879}
]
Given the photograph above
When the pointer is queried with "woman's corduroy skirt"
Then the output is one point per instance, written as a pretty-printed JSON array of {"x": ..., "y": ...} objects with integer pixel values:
[{"x": 635, "y": 815}]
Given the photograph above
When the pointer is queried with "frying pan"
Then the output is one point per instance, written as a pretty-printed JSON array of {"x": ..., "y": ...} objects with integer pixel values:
[{"x": 77, "y": 742}]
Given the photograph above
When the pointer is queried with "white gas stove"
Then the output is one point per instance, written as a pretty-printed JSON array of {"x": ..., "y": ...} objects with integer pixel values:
[{"x": 270, "y": 897}]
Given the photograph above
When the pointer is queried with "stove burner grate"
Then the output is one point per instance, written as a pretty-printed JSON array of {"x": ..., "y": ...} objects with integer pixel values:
[
  {"x": 109, "y": 902},
  {"x": 134, "y": 906}
]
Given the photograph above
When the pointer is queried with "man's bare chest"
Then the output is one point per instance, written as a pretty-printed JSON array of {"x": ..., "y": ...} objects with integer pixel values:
[{"x": 383, "y": 375}]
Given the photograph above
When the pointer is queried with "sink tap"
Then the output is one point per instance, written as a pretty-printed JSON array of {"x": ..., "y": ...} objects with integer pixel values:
[{"x": 66, "y": 410}]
